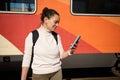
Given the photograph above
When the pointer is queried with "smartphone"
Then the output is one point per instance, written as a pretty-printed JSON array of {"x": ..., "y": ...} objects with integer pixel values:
[{"x": 75, "y": 42}]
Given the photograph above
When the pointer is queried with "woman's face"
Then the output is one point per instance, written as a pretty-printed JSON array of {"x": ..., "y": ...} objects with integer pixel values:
[{"x": 52, "y": 22}]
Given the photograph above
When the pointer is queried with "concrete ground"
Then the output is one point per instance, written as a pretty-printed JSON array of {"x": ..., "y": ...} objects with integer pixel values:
[{"x": 98, "y": 78}]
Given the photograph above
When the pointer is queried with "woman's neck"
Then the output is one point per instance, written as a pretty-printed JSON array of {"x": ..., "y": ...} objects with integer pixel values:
[{"x": 45, "y": 27}]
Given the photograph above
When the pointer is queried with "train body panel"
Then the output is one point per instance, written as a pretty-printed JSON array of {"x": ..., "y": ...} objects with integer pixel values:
[{"x": 100, "y": 35}]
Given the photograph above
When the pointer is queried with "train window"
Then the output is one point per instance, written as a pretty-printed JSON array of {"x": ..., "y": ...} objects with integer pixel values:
[
  {"x": 95, "y": 7},
  {"x": 17, "y": 6}
]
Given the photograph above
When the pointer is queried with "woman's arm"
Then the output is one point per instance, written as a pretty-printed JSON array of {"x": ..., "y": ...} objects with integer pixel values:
[
  {"x": 24, "y": 73},
  {"x": 26, "y": 57},
  {"x": 68, "y": 53}
]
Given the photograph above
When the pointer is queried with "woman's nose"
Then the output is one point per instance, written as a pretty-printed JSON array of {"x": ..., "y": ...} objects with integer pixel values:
[{"x": 56, "y": 24}]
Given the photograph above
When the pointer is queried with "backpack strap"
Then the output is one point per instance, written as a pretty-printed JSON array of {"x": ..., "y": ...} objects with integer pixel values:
[
  {"x": 55, "y": 36},
  {"x": 35, "y": 36}
]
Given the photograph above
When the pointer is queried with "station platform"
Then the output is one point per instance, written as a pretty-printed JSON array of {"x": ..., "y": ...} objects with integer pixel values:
[{"x": 97, "y": 78}]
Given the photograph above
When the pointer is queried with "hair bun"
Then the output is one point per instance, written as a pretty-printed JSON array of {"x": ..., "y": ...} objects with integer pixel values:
[{"x": 45, "y": 10}]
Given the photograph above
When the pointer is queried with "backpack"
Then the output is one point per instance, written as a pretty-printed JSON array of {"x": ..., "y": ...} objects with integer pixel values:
[{"x": 35, "y": 36}]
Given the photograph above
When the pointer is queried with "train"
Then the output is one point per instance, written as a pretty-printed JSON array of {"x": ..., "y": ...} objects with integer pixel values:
[{"x": 100, "y": 33}]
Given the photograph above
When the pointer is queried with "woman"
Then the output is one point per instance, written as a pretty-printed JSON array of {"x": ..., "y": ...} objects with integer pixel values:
[{"x": 46, "y": 63}]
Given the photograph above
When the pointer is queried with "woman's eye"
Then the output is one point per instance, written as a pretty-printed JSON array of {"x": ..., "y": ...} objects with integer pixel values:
[{"x": 56, "y": 22}]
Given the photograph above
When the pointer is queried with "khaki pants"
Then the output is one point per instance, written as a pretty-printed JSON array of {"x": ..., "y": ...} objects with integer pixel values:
[{"x": 51, "y": 76}]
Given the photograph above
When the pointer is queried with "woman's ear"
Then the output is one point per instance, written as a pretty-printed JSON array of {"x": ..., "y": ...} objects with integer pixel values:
[{"x": 45, "y": 19}]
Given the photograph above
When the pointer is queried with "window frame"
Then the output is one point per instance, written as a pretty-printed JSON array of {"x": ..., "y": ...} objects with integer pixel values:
[
  {"x": 88, "y": 14},
  {"x": 20, "y": 12}
]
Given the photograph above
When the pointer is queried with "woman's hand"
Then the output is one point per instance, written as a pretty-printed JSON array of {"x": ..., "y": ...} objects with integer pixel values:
[
  {"x": 72, "y": 50},
  {"x": 69, "y": 52}
]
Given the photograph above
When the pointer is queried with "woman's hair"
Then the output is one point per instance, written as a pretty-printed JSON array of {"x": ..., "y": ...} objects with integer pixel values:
[{"x": 48, "y": 13}]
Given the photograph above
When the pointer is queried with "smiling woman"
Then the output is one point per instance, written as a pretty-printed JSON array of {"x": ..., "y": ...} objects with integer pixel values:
[{"x": 17, "y": 6}]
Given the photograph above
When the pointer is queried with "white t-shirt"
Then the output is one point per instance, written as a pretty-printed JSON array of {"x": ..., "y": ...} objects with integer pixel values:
[{"x": 47, "y": 52}]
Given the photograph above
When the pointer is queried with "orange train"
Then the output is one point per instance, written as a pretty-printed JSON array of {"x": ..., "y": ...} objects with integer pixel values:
[{"x": 99, "y": 34}]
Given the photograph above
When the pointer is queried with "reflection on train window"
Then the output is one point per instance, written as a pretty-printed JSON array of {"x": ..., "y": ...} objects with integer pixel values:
[
  {"x": 101, "y": 7},
  {"x": 20, "y": 6}
]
